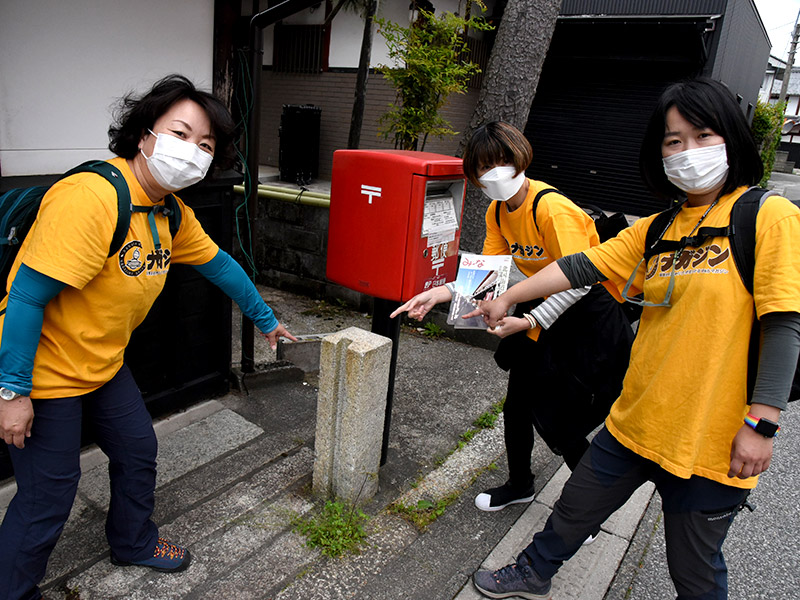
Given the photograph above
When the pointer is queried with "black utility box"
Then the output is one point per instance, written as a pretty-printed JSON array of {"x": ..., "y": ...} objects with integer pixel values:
[{"x": 298, "y": 153}]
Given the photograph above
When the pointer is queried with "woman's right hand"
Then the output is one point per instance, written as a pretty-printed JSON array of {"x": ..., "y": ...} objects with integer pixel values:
[
  {"x": 421, "y": 304},
  {"x": 509, "y": 326},
  {"x": 16, "y": 420},
  {"x": 493, "y": 311}
]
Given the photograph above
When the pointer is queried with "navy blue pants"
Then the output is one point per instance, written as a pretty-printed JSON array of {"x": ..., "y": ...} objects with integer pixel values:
[
  {"x": 47, "y": 471},
  {"x": 697, "y": 515}
]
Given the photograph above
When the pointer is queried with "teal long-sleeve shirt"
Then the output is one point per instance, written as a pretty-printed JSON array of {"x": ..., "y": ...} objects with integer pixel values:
[{"x": 31, "y": 291}]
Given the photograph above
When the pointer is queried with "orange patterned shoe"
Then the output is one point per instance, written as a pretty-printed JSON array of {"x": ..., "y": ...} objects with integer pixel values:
[{"x": 167, "y": 557}]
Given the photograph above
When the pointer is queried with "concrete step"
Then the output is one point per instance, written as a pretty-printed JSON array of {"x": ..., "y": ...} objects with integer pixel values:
[
  {"x": 248, "y": 520},
  {"x": 588, "y": 574},
  {"x": 220, "y": 481}
]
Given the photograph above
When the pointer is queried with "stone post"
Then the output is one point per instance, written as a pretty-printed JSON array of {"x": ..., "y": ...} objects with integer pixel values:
[{"x": 351, "y": 406}]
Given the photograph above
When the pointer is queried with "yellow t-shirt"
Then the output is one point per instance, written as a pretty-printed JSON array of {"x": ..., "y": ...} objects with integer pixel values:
[
  {"x": 684, "y": 395},
  {"x": 87, "y": 326},
  {"x": 563, "y": 229}
]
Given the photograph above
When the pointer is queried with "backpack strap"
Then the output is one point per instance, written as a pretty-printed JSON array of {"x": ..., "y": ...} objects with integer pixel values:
[
  {"x": 658, "y": 227},
  {"x": 125, "y": 207},
  {"x": 536, "y": 203},
  {"x": 114, "y": 176},
  {"x": 538, "y": 197},
  {"x": 743, "y": 240},
  {"x": 170, "y": 209},
  {"x": 173, "y": 211}
]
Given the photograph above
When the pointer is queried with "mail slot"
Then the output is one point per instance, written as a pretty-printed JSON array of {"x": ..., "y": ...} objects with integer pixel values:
[{"x": 395, "y": 221}]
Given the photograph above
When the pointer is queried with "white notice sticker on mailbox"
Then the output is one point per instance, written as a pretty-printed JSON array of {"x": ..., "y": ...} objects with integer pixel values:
[
  {"x": 439, "y": 215},
  {"x": 441, "y": 237}
]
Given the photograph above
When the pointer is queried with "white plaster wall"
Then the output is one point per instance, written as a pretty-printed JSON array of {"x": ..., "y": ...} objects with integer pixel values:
[
  {"x": 347, "y": 29},
  {"x": 64, "y": 63}
]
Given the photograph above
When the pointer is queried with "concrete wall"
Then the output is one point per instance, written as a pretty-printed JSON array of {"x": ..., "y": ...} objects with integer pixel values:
[{"x": 64, "y": 63}]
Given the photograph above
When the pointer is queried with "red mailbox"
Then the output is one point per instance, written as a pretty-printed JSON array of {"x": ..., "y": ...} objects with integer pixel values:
[{"x": 395, "y": 221}]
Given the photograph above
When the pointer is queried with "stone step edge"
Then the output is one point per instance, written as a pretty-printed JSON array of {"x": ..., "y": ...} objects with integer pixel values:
[{"x": 92, "y": 456}]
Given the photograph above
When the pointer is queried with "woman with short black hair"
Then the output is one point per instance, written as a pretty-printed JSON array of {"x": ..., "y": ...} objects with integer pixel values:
[{"x": 684, "y": 419}]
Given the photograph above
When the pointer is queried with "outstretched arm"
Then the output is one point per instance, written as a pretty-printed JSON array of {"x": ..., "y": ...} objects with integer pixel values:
[
  {"x": 421, "y": 304},
  {"x": 228, "y": 275},
  {"x": 549, "y": 280}
]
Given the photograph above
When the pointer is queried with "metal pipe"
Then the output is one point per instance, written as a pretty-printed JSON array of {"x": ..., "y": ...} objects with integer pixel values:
[
  {"x": 257, "y": 24},
  {"x": 295, "y": 191},
  {"x": 288, "y": 197}
]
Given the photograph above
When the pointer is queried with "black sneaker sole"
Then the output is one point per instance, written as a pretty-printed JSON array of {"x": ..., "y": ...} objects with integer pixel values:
[{"x": 527, "y": 595}]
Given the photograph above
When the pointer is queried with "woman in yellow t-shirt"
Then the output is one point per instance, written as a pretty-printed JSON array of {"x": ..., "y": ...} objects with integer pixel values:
[
  {"x": 566, "y": 356},
  {"x": 683, "y": 419},
  {"x": 69, "y": 315}
]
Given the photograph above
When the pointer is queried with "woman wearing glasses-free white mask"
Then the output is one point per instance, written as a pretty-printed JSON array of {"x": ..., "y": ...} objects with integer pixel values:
[{"x": 683, "y": 419}]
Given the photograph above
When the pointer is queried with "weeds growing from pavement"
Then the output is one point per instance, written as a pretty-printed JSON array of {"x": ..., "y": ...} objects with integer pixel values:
[
  {"x": 432, "y": 330},
  {"x": 424, "y": 512},
  {"x": 336, "y": 530}
]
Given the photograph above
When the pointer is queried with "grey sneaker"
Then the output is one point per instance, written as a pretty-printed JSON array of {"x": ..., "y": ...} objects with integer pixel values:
[{"x": 518, "y": 579}]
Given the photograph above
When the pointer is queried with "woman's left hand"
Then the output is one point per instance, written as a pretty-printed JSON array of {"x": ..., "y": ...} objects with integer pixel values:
[
  {"x": 509, "y": 326},
  {"x": 751, "y": 453},
  {"x": 279, "y": 332}
]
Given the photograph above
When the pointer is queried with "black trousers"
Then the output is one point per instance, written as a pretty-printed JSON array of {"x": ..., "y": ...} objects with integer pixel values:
[
  {"x": 697, "y": 515},
  {"x": 519, "y": 413},
  {"x": 563, "y": 385}
]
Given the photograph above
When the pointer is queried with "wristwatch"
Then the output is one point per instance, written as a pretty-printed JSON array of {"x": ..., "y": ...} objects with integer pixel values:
[
  {"x": 761, "y": 425},
  {"x": 8, "y": 395}
]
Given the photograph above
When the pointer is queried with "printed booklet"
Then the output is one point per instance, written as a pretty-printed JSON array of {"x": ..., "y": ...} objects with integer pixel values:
[{"x": 480, "y": 277}]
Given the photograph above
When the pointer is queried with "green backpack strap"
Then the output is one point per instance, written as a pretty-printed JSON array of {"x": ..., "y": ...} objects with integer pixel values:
[
  {"x": 173, "y": 212},
  {"x": 114, "y": 176}
]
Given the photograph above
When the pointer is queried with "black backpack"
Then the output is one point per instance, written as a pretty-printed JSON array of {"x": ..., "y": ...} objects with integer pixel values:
[
  {"x": 742, "y": 233},
  {"x": 607, "y": 227},
  {"x": 19, "y": 207}
]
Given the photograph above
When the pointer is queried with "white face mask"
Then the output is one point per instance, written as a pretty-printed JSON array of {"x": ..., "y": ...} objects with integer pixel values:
[
  {"x": 698, "y": 170},
  {"x": 176, "y": 163},
  {"x": 501, "y": 183}
]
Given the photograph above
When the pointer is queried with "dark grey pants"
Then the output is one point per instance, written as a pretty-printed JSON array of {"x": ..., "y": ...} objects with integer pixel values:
[{"x": 697, "y": 515}]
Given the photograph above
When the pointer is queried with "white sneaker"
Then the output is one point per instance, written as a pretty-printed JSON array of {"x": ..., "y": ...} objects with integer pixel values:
[
  {"x": 500, "y": 497},
  {"x": 590, "y": 539}
]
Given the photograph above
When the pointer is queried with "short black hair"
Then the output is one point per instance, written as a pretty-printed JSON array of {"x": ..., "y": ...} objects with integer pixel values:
[
  {"x": 708, "y": 103},
  {"x": 496, "y": 142},
  {"x": 136, "y": 114}
]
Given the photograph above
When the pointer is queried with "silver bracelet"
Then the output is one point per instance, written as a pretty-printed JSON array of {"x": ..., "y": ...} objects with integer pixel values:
[{"x": 530, "y": 319}]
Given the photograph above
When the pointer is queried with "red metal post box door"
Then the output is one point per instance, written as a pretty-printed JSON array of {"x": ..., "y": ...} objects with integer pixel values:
[{"x": 434, "y": 232}]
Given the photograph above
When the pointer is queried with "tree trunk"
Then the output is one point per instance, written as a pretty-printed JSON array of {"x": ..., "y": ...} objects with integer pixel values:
[
  {"x": 509, "y": 85},
  {"x": 364, "y": 58}
]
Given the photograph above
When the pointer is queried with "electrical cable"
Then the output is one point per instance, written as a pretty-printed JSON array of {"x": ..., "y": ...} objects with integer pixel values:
[{"x": 246, "y": 101}]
